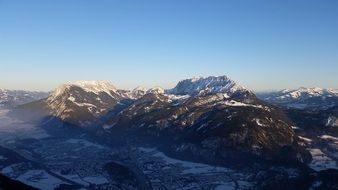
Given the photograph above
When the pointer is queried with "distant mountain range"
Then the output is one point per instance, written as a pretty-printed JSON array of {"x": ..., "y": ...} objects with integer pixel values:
[
  {"x": 83, "y": 102},
  {"x": 320, "y": 105},
  {"x": 303, "y": 98},
  {"x": 12, "y": 98}
]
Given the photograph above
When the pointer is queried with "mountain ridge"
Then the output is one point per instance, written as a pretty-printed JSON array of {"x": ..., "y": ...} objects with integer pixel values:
[
  {"x": 13, "y": 98},
  {"x": 93, "y": 99},
  {"x": 303, "y": 98},
  {"x": 211, "y": 114}
]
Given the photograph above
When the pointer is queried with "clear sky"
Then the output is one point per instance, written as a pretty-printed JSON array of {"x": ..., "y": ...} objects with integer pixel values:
[{"x": 261, "y": 44}]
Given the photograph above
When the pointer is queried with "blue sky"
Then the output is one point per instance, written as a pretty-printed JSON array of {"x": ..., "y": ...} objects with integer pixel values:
[{"x": 261, "y": 44}]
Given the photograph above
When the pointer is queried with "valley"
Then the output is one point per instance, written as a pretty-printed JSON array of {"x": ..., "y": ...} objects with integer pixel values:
[
  {"x": 48, "y": 162},
  {"x": 205, "y": 133}
]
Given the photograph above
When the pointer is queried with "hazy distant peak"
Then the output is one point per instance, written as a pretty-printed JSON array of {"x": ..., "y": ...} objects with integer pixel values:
[
  {"x": 140, "y": 88},
  {"x": 303, "y": 97},
  {"x": 312, "y": 91},
  {"x": 12, "y": 98}
]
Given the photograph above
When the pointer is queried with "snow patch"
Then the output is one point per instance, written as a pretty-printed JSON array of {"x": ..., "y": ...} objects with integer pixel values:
[
  {"x": 39, "y": 179},
  {"x": 305, "y": 139},
  {"x": 321, "y": 161},
  {"x": 330, "y": 138},
  {"x": 332, "y": 121},
  {"x": 259, "y": 122}
]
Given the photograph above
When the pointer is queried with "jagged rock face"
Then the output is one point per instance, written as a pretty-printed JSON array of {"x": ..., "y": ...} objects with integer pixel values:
[
  {"x": 12, "y": 98},
  {"x": 204, "y": 86},
  {"x": 303, "y": 98}
]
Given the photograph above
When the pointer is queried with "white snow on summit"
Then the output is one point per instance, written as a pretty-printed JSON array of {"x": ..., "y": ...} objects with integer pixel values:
[
  {"x": 95, "y": 86},
  {"x": 306, "y": 92},
  {"x": 88, "y": 99},
  {"x": 89, "y": 86},
  {"x": 137, "y": 92},
  {"x": 191, "y": 87},
  {"x": 208, "y": 85},
  {"x": 303, "y": 98},
  {"x": 156, "y": 90},
  {"x": 92, "y": 99}
]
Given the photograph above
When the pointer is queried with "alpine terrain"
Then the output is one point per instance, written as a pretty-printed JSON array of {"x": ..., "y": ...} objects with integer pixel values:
[{"x": 204, "y": 133}]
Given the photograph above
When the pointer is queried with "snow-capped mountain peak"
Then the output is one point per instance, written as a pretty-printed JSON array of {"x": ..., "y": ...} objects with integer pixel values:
[
  {"x": 89, "y": 86},
  {"x": 306, "y": 92},
  {"x": 195, "y": 78},
  {"x": 140, "y": 88},
  {"x": 95, "y": 86},
  {"x": 83, "y": 101},
  {"x": 136, "y": 92},
  {"x": 333, "y": 91},
  {"x": 209, "y": 85},
  {"x": 302, "y": 98},
  {"x": 156, "y": 90}
]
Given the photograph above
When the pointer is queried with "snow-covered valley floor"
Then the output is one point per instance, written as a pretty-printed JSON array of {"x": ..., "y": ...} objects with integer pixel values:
[{"x": 46, "y": 162}]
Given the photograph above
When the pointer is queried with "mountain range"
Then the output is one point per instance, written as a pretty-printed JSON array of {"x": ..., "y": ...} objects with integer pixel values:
[
  {"x": 12, "y": 98},
  {"x": 212, "y": 120},
  {"x": 198, "y": 117},
  {"x": 303, "y": 98}
]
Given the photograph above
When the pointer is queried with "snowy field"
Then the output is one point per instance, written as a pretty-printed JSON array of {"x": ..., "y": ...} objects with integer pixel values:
[
  {"x": 321, "y": 161},
  {"x": 12, "y": 130},
  {"x": 79, "y": 161},
  {"x": 85, "y": 161},
  {"x": 208, "y": 176},
  {"x": 35, "y": 178}
]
